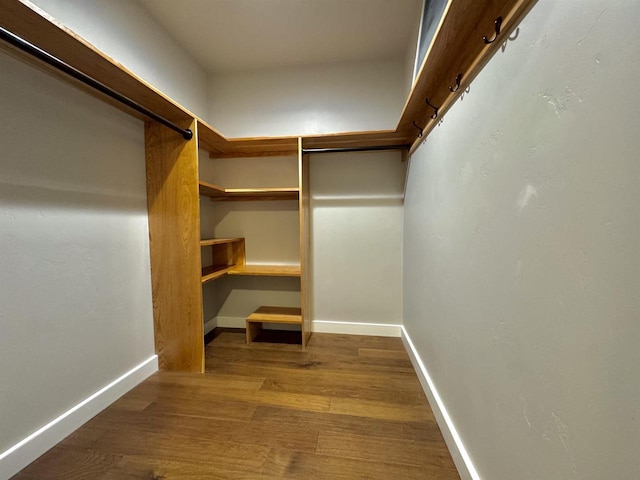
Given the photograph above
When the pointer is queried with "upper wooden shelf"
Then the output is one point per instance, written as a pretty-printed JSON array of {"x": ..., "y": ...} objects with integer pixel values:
[
  {"x": 211, "y": 272},
  {"x": 220, "y": 194},
  {"x": 266, "y": 270},
  {"x": 218, "y": 241},
  {"x": 457, "y": 49}
]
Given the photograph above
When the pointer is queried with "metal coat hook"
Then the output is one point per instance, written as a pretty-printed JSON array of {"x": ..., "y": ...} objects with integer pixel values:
[
  {"x": 420, "y": 129},
  {"x": 498, "y": 25},
  {"x": 458, "y": 79},
  {"x": 435, "y": 109}
]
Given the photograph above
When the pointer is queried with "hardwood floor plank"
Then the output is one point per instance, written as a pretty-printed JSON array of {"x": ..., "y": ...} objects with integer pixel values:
[
  {"x": 327, "y": 341},
  {"x": 323, "y": 467},
  {"x": 196, "y": 380},
  {"x": 384, "y": 410},
  {"x": 299, "y": 401},
  {"x": 397, "y": 381},
  {"x": 207, "y": 408},
  {"x": 392, "y": 450},
  {"x": 308, "y": 359},
  {"x": 138, "y": 423},
  {"x": 334, "y": 423},
  {"x": 84, "y": 437},
  {"x": 397, "y": 397},
  {"x": 62, "y": 463},
  {"x": 130, "y": 402},
  {"x": 225, "y": 455},
  {"x": 145, "y": 467},
  {"x": 382, "y": 353}
]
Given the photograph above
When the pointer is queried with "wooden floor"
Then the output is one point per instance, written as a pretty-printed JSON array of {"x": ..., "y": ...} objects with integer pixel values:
[{"x": 350, "y": 407}]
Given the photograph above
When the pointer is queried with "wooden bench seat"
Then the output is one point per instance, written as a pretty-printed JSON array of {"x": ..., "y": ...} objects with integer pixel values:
[{"x": 291, "y": 315}]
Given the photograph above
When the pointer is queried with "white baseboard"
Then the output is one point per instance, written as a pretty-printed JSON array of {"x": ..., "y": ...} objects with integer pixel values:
[
  {"x": 354, "y": 328},
  {"x": 27, "y": 450},
  {"x": 458, "y": 452},
  {"x": 210, "y": 325},
  {"x": 320, "y": 326}
]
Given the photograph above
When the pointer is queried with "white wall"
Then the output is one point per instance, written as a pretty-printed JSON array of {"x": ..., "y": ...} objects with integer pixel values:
[
  {"x": 356, "y": 238},
  {"x": 308, "y": 100},
  {"x": 521, "y": 259},
  {"x": 125, "y": 31},
  {"x": 75, "y": 287}
]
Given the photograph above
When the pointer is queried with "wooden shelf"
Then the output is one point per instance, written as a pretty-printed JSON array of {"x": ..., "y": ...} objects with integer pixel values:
[
  {"x": 212, "y": 272},
  {"x": 266, "y": 270},
  {"x": 218, "y": 241},
  {"x": 226, "y": 254},
  {"x": 276, "y": 315},
  {"x": 219, "y": 194}
]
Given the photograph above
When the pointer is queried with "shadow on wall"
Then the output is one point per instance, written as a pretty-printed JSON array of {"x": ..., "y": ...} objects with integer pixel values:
[
  {"x": 357, "y": 179},
  {"x": 51, "y": 199}
]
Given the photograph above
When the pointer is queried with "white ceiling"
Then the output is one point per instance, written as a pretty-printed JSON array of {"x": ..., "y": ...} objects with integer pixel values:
[{"x": 236, "y": 35}]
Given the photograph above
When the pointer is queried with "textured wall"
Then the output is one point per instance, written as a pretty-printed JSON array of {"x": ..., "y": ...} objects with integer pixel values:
[
  {"x": 521, "y": 260},
  {"x": 75, "y": 286},
  {"x": 356, "y": 237}
]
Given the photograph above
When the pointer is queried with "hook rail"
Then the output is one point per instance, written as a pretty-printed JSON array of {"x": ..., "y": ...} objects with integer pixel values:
[{"x": 40, "y": 54}]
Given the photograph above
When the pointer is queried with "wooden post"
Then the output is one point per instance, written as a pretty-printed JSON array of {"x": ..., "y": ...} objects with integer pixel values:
[
  {"x": 174, "y": 232},
  {"x": 305, "y": 244}
]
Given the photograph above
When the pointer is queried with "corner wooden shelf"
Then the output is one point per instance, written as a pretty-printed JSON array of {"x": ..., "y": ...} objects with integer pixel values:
[
  {"x": 228, "y": 258},
  {"x": 266, "y": 270},
  {"x": 212, "y": 272},
  {"x": 226, "y": 254},
  {"x": 219, "y": 241},
  {"x": 219, "y": 194},
  {"x": 289, "y": 315}
]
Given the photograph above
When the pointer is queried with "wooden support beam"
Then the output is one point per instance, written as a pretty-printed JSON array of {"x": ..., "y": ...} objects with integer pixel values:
[{"x": 174, "y": 231}]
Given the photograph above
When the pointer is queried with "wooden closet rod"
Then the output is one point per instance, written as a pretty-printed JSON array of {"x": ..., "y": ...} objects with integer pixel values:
[
  {"x": 55, "y": 62},
  {"x": 405, "y": 146}
]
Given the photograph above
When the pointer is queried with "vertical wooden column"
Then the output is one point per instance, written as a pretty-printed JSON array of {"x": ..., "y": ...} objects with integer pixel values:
[
  {"x": 174, "y": 232},
  {"x": 305, "y": 244}
]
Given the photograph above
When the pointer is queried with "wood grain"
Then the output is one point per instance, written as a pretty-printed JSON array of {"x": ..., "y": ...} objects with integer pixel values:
[
  {"x": 174, "y": 233},
  {"x": 219, "y": 194},
  {"x": 304, "y": 210},
  {"x": 226, "y": 254},
  {"x": 231, "y": 424},
  {"x": 276, "y": 315},
  {"x": 266, "y": 270}
]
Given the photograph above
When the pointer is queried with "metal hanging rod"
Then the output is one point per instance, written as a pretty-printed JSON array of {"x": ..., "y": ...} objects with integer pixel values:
[
  {"x": 405, "y": 146},
  {"x": 31, "y": 49}
]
